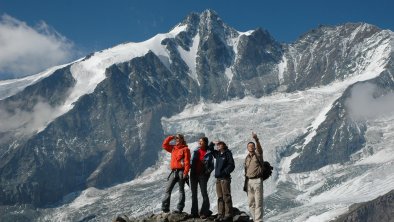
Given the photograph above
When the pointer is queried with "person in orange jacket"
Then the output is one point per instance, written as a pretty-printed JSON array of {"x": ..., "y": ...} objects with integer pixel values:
[{"x": 180, "y": 166}]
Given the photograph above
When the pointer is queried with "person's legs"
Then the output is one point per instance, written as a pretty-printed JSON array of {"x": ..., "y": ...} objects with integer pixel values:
[
  {"x": 228, "y": 203},
  {"x": 181, "y": 183},
  {"x": 203, "y": 181},
  {"x": 259, "y": 207},
  {"x": 193, "y": 186},
  {"x": 165, "y": 205},
  {"x": 251, "y": 199},
  {"x": 219, "y": 193}
]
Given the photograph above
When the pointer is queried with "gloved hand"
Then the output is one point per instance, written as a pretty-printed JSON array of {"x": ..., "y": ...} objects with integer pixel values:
[{"x": 186, "y": 179}]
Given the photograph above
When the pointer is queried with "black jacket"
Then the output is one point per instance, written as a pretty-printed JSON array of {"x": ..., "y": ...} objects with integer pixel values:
[{"x": 224, "y": 162}]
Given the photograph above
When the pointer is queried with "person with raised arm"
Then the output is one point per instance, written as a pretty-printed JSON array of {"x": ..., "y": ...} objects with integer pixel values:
[
  {"x": 180, "y": 165},
  {"x": 254, "y": 178}
]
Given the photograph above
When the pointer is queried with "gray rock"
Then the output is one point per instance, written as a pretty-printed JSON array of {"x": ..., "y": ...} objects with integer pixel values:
[
  {"x": 325, "y": 54},
  {"x": 380, "y": 209},
  {"x": 239, "y": 216}
]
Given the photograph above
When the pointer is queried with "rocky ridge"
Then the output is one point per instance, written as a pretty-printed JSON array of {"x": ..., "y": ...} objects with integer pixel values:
[{"x": 239, "y": 216}]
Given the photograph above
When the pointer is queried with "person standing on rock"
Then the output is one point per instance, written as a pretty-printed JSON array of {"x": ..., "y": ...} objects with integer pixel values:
[
  {"x": 201, "y": 167},
  {"x": 254, "y": 176},
  {"x": 223, "y": 168},
  {"x": 180, "y": 165}
]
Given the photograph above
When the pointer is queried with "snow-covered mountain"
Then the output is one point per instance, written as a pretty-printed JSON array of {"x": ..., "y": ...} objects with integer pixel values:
[{"x": 321, "y": 105}]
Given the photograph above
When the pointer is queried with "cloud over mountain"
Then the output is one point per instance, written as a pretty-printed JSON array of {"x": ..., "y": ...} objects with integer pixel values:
[
  {"x": 365, "y": 104},
  {"x": 26, "y": 50}
]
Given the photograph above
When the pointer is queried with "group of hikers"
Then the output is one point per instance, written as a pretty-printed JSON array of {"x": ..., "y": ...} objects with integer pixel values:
[{"x": 201, "y": 164}]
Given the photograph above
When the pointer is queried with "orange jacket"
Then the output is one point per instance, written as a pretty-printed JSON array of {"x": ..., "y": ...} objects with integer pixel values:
[{"x": 180, "y": 155}]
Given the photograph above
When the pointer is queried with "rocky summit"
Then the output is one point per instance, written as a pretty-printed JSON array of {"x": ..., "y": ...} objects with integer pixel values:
[{"x": 239, "y": 216}]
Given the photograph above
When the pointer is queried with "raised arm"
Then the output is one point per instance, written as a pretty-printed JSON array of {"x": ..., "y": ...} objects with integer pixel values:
[
  {"x": 211, "y": 147},
  {"x": 166, "y": 144},
  {"x": 259, "y": 149}
]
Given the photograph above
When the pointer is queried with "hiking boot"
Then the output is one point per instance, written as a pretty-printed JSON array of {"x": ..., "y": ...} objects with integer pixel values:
[
  {"x": 177, "y": 211},
  {"x": 194, "y": 216},
  {"x": 202, "y": 216},
  {"x": 218, "y": 218},
  {"x": 165, "y": 210},
  {"x": 227, "y": 219}
]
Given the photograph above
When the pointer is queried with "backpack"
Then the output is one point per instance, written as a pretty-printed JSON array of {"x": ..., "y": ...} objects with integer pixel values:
[{"x": 267, "y": 170}]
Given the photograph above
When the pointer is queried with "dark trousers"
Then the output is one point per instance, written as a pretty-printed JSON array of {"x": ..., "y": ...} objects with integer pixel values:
[
  {"x": 225, "y": 203},
  {"x": 201, "y": 180},
  {"x": 175, "y": 177}
]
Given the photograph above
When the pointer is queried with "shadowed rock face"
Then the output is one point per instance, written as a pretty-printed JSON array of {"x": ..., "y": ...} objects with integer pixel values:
[
  {"x": 379, "y": 209},
  {"x": 115, "y": 133},
  {"x": 335, "y": 140},
  {"x": 49, "y": 92},
  {"x": 326, "y": 54},
  {"x": 255, "y": 68},
  {"x": 110, "y": 135}
]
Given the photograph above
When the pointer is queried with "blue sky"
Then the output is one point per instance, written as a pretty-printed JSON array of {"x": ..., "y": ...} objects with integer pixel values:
[{"x": 85, "y": 26}]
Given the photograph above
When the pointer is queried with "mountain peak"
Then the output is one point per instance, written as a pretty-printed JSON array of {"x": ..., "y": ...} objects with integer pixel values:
[
  {"x": 191, "y": 20},
  {"x": 210, "y": 21},
  {"x": 207, "y": 20},
  {"x": 204, "y": 24},
  {"x": 358, "y": 29},
  {"x": 209, "y": 14}
]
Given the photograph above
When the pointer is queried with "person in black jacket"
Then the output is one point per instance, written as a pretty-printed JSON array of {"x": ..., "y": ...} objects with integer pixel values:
[{"x": 223, "y": 168}]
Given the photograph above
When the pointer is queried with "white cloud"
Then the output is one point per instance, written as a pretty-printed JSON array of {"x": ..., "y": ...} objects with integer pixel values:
[
  {"x": 25, "y": 50},
  {"x": 22, "y": 122},
  {"x": 365, "y": 104}
]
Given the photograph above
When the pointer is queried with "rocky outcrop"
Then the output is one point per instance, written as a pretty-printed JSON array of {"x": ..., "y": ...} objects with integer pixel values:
[
  {"x": 380, "y": 209},
  {"x": 239, "y": 216}
]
